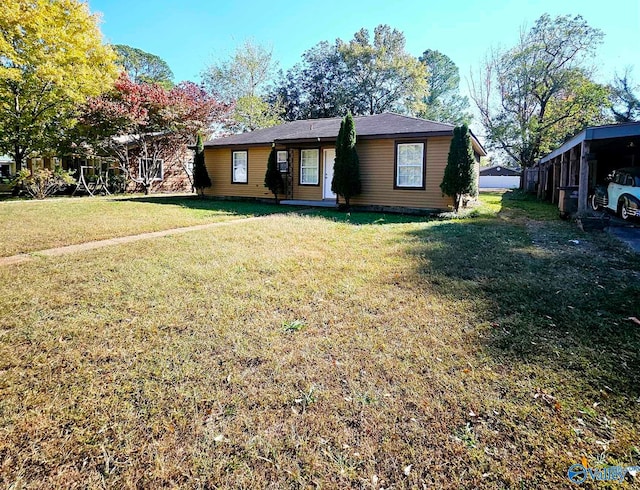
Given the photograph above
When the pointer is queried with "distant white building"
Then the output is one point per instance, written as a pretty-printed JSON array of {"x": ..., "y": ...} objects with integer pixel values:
[{"x": 499, "y": 177}]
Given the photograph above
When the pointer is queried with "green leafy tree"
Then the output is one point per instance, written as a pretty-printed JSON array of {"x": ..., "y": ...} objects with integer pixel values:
[
  {"x": 201, "y": 179},
  {"x": 459, "y": 174},
  {"x": 625, "y": 104},
  {"x": 143, "y": 67},
  {"x": 318, "y": 86},
  {"x": 51, "y": 60},
  {"x": 243, "y": 80},
  {"x": 142, "y": 124},
  {"x": 346, "y": 170},
  {"x": 385, "y": 76},
  {"x": 273, "y": 178},
  {"x": 444, "y": 102},
  {"x": 530, "y": 97}
]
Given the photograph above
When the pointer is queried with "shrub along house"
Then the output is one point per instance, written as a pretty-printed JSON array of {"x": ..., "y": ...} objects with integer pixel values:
[{"x": 402, "y": 161}]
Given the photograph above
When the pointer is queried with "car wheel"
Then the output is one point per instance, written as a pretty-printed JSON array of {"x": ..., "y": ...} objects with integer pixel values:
[
  {"x": 594, "y": 203},
  {"x": 623, "y": 211}
]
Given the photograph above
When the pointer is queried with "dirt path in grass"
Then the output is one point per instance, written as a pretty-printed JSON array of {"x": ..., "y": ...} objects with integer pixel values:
[{"x": 81, "y": 247}]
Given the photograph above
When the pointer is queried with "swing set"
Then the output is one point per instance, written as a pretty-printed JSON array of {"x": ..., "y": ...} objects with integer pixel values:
[{"x": 94, "y": 179}]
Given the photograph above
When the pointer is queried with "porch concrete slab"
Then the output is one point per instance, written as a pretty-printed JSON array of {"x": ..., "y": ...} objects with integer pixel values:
[{"x": 318, "y": 204}]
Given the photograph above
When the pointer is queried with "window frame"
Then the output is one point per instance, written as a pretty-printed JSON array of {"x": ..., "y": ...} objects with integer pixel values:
[
  {"x": 317, "y": 150},
  {"x": 280, "y": 162},
  {"x": 424, "y": 164},
  {"x": 233, "y": 181},
  {"x": 189, "y": 166},
  {"x": 155, "y": 179}
]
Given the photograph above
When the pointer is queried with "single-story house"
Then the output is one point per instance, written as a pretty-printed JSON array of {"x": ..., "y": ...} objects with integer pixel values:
[
  {"x": 172, "y": 172},
  {"x": 402, "y": 161},
  {"x": 499, "y": 177},
  {"x": 585, "y": 161}
]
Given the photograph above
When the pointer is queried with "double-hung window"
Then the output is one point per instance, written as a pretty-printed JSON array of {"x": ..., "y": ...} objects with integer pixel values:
[
  {"x": 310, "y": 167},
  {"x": 239, "y": 167},
  {"x": 283, "y": 164},
  {"x": 410, "y": 165}
]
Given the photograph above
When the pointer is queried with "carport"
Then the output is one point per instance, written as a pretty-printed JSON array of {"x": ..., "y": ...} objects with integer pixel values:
[{"x": 586, "y": 160}]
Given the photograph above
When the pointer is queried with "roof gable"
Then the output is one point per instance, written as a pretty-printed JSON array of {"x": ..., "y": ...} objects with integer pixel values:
[{"x": 498, "y": 170}]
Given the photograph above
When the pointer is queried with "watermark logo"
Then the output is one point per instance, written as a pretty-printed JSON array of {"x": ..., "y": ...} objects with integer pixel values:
[{"x": 579, "y": 473}]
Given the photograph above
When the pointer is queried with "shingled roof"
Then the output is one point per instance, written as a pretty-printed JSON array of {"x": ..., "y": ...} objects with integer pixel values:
[{"x": 378, "y": 125}]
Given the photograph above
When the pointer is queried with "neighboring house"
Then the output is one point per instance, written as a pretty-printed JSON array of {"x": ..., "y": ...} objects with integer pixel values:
[
  {"x": 6, "y": 172},
  {"x": 499, "y": 177},
  {"x": 7, "y": 167},
  {"x": 171, "y": 174},
  {"x": 402, "y": 161}
]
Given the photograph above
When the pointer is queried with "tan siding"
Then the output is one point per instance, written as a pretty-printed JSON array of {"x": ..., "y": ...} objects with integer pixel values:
[
  {"x": 218, "y": 163},
  {"x": 377, "y": 167},
  {"x": 377, "y": 164}
]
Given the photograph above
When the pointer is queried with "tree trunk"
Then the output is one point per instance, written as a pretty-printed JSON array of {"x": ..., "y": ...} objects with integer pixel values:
[
  {"x": 457, "y": 200},
  {"x": 19, "y": 158}
]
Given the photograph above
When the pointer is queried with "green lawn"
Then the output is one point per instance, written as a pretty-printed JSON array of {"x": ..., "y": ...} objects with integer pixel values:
[
  {"x": 325, "y": 351},
  {"x": 27, "y": 226}
]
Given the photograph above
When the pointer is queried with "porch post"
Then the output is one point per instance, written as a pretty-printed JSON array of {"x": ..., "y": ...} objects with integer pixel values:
[
  {"x": 583, "y": 182},
  {"x": 564, "y": 174},
  {"x": 556, "y": 179},
  {"x": 541, "y": 180}
]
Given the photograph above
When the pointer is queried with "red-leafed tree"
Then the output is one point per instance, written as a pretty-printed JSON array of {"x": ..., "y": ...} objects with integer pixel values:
[{"x": 148, "y": 123}]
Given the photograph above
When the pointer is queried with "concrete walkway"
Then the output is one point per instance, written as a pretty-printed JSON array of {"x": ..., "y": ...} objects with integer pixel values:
[
  {"x": 628, "y": 234},
  {"x": 325, "y": 203},
  {"x": 81, "y": 247}
]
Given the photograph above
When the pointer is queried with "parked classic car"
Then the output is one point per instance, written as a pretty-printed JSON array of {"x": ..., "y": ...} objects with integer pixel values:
[{"x": 621, "y": 193}]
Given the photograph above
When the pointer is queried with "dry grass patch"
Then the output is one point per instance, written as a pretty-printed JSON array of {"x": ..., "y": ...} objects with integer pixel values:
[
  {"x": 425, "y": 354},
  {"x": 28, "y": 226}
]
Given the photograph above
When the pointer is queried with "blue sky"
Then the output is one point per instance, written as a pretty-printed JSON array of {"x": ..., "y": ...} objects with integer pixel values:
[{"x": 191, "y": 34}]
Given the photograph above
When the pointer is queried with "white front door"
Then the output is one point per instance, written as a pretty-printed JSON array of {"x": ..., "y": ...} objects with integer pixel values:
[{"x": 329, "y": 160}]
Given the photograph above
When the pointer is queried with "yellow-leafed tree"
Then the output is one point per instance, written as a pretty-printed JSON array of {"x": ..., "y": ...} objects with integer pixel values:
[{"x": 52, "y": 58}]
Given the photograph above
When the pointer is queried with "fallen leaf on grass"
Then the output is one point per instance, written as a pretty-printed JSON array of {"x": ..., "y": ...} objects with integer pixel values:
[
  {"x": 548, "y": 399},
  {"x": 407, "y": 469}
]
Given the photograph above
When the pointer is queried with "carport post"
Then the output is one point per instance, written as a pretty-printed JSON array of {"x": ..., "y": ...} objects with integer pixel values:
[
  {"x": 564, "y": 171},
  {"x": 583, "y": 181}
]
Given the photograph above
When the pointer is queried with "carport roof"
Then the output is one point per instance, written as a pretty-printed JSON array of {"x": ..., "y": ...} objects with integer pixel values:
[{"x": 610, "y": 131}]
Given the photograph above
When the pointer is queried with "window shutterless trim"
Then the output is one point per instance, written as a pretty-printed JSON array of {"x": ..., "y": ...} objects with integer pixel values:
[
  {"x": 316, "y": 148},
  {"x": 395, "y": 165},
  {"x": 246, "y": 167},
  {"x": 280, "y": 162}
]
